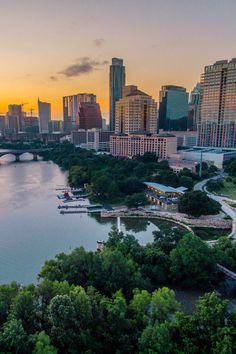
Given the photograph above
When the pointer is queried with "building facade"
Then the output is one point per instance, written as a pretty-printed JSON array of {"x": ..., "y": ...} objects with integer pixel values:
[
  {"x": 117, "y": 82},
  {"x": 15, "y": 118},
  {"x": 193, "y": 108},
  {"x": 55, "y": 126},
  {"x": 173, "y": 108},
  {"x": 89, "y": 116},
  {"x": 44, "y": 109},
  {"x": 31, "y": 124},
  {"x": 71, "y": 109},
  {"x": 95, "y": 139},
  {"x": 136, "y": 112},
  {"x": 163, "y": 145},
  {"x": 217, "y": 117}
]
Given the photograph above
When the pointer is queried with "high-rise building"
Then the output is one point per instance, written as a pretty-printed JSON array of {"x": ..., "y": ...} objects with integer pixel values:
[
  {"x": 217, "y": 116},
  {"x": 173, "y": 109},
  {"x": 71, "y": 109},
  {"x": 55, "y": 126},
  {"x": 136, "y": 112},
  {"x": 31, "y": 124},
  {"x": 89, "y": 116},
  {"x": 15, "y": 118},
  {"x": 2, "y": 123},
  {"x": 193, "y": 107},
  {"x": 44, "y": 109},
  {"x": 117, "y": 82}
]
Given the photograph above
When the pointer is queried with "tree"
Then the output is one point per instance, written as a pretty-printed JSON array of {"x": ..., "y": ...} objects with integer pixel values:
[
  {"x": 163, "y": 305},
  {"x": 13, "y": 337},
  {"x": 197, "y": 203},
  {"x": 192, "y": 262},
  {"x": 157, "y": 339},
  {"x": 186, "y": 182},
  {"x": 210, "y": 316},
  {"x": 7, "y": 294},
  {"x": 136, "y": 200},
  {"x": 214, "y": 185},
  {"x": 24, "y": 308},
  {"x": 225, "y": 252},
  {"x": 43, "y": 344}
]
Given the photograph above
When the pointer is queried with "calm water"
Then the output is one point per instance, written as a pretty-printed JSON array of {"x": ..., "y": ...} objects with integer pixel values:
[{"x": 31, "y": 228}]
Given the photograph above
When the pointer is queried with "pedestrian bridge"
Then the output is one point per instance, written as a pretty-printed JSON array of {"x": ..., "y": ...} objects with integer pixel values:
[{"x": 18, "y": 153}]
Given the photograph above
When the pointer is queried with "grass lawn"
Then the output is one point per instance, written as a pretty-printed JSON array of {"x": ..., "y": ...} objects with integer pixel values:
[{"x": 229, "y": 190}]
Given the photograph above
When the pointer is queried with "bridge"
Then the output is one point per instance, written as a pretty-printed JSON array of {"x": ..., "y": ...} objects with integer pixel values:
[
  {"x": 18, "y": 153},
  {"x": 227, "y": 272}
]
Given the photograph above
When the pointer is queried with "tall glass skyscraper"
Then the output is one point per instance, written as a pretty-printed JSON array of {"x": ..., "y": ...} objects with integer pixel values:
[
  {"x": 117, "y": 82},
  {"x": 217, "y": 116},
  {"x": 44, "y": 109},
  {"x": 173, "y": 109}
]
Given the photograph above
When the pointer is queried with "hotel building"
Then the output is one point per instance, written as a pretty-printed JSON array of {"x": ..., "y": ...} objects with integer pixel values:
[
  {"x": 135, "y": 112},
  {"x": 163, "y": 145}
]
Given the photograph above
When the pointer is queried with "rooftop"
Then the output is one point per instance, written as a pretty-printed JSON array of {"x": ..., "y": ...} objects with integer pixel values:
[{"x": 165, "y": 189}]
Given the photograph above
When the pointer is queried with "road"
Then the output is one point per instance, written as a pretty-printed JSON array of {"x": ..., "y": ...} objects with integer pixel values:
[{"x": 200, "y": 186}]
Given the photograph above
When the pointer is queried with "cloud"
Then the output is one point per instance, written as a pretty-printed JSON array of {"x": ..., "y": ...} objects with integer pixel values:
[
  {"x": 53, "y": 78},
  {"x": 98, "y": 42},
  {"x": 84, "y": 66}
]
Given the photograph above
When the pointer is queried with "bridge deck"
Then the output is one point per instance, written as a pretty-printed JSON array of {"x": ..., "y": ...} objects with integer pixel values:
[{"x": 226, "y": 271}]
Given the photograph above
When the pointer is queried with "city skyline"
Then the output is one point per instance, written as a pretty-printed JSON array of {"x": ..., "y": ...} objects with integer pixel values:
[{"x": 70, "y": 50}]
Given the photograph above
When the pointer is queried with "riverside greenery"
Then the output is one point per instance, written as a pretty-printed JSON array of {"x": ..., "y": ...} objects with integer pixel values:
[
  {"x": 114, "y": 180},
  {"x": 120, "y": 301}
]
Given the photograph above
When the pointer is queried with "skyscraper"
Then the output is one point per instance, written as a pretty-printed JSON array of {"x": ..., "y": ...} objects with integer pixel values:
[
  {"x": 173, "y": 109},
  {"x": 15, "y": 118},
  {"x": 193, "y": 108},
  {"x": 89, "y": 116},
  {"x": 136, "y": 112},
  {"x": 117, "y": 82},
  {"x": 217, "y": 116},
  {"x": 71, "y": 109},
  {"x": 44, "y": 109}
]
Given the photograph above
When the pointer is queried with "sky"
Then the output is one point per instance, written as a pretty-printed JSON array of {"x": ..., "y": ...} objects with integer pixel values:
[{"x": 54, "y": 48}]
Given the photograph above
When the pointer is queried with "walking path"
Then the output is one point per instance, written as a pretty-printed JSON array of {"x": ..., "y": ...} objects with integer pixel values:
[{"x": 222, "y": 200}]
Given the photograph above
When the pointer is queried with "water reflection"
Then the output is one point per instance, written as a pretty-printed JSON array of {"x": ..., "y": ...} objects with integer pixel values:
[{"x": 31, "y": 227}]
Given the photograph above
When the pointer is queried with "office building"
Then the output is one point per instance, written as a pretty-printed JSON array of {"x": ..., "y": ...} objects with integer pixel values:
[
  {"x": 217, "y": 117},
  {"x": 15, "y": 118},
  {"x": 2, "y": 123},
  {"x": 117, "y": 82},
  {"x": 163, "y": 145},
  {"x": 136, "y": 112},
  {"x": 193, "y": 107},
  {"x": 31, "y": 124},
  {"x": 71, "y": 109},
  {"x": 89, "y": 116},
  {"x": 173, "y": 109},
  {"x": 55, "y": 126},
  {"x": 95, "y": 139},
  {"x": 44, "y": 110},
  {"x": 186, "y": 139}
]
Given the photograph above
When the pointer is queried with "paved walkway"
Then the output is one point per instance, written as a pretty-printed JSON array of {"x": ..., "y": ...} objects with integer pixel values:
[{"x": 225, "y": 207}]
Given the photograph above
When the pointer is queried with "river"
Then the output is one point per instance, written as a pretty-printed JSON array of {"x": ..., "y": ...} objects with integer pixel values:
[{"x": 31, "y": 227}]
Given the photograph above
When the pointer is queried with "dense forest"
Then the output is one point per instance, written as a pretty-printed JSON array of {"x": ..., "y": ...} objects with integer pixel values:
[{"x": 120, "y": 300}]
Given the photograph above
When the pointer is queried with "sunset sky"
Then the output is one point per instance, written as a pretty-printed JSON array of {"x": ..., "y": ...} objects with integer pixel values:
[{"x": 53, "y": 48}]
